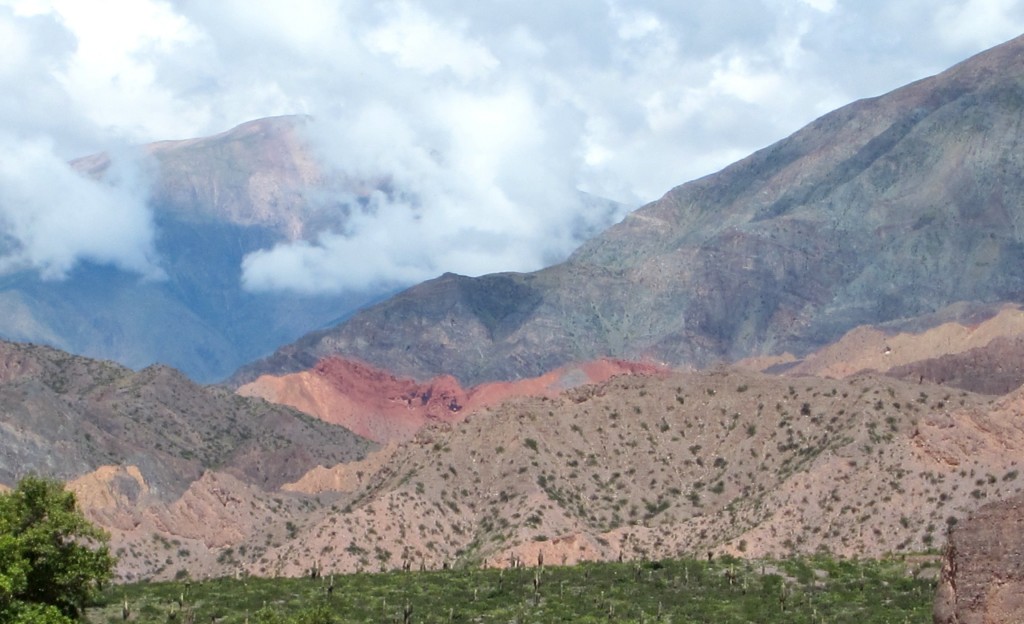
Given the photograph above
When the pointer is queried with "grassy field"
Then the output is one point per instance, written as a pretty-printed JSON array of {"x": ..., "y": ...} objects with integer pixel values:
[{"x": 791, "y": 591}]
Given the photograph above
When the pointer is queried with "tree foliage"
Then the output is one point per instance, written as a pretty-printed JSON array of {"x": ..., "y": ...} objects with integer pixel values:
[{"x": 52, "y": 560}]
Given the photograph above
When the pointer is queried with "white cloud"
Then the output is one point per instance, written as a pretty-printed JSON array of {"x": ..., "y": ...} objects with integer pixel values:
[
  {"x": 111, "y": 77},
  {"x": 14, "y": 48},
  {"x": 475, "y": 186},
  {"x": 52, "y": 217},
  {"x": 976, "y": 24},
  {"x": 738, "y": 77},
  {"x": 478, "y": 119},
  {"x": 637, "y": 25},
  {"x": 418, "y": 41},
  {"x": 825, "y": 6}
]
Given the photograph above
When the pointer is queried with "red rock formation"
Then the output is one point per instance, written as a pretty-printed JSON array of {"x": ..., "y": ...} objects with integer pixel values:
[{"x": 382, "y": 407}]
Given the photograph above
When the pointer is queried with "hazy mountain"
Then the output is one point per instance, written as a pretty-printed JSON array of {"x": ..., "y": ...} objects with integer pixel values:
[
  {"x": 888, "y": 208},
  {"x": 215, "y": 200}
]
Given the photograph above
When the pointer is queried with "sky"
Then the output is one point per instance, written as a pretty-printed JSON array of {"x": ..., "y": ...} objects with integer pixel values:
[{"x": 489, "y": 118}]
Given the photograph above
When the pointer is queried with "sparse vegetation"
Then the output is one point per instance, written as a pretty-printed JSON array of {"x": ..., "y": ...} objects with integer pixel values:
[{"x": 726, "y": 590}]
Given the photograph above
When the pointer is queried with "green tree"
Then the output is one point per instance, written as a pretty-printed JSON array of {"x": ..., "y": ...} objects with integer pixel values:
[{"x": 52, "y": 560}]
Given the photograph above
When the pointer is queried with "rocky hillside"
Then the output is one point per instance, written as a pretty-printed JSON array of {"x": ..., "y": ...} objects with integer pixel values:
[
  {"x": 641, "y": 466},
  {"x": 889, "y": 208},
  {"x": 143, "y": 443},
  {"x": 973, "y": 347},
  {"x": 65, "y": 415},
  {"x": 198, "y": 481}
]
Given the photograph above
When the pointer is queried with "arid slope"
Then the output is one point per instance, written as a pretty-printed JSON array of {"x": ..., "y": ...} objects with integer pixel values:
[{"x": 723, "y": 461}]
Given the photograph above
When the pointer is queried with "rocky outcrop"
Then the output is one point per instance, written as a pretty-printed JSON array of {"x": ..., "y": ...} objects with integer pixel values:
[
  {"x": 996, "y": 368},
  {"x": 983, "y": 569},
  {"x": 256, "y": 174}
]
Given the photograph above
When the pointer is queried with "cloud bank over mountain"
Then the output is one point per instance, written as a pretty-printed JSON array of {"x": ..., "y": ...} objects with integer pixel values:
[
  {"x": 51, "y": 217},
  {"x": 477, "y": 122}
]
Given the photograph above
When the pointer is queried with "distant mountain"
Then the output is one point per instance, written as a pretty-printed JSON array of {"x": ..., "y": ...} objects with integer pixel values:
[
  {"x": 889, "y": 208},
  {"x": 215, "y": 200}
]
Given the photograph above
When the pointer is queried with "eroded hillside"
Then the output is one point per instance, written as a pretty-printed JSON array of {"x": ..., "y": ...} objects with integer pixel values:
[{"x": 725, "y": 461}]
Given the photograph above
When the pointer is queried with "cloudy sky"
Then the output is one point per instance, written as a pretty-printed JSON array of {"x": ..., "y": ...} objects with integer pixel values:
[{"x": 489, "y": 116}]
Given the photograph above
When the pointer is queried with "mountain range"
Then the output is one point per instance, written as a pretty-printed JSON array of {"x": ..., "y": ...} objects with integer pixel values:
[
  {"x": 813, "y": 350},
  {"x": 65, "y": 415},
  {"x": 890, "y": 208}
]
